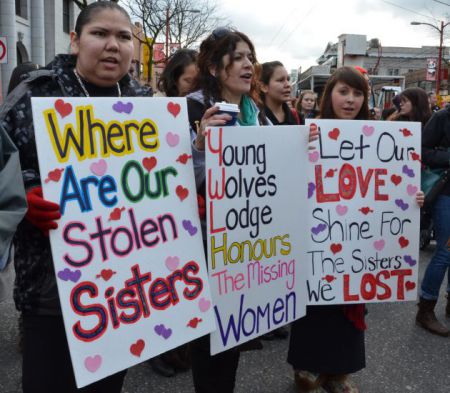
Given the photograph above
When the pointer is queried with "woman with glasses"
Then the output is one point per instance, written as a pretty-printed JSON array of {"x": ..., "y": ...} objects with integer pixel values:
[{"x": 226, "y": 65}]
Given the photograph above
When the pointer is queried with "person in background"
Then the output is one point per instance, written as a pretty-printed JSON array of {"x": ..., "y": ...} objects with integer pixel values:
[
  {"x": 436, "y": 154},
  {"x": 275, "y": 93},
  {"x": 179, "y": 73},
  {"x": 306, "y": 105},
  {"x": 327, "y": 345},
  {"x": 226, "y": 64},
  {"x": 102, "y": 47},
  {"x": 176, "y": 80},
  {"x": 413, "y": 106},
  {"x": 432, "y": 99}
]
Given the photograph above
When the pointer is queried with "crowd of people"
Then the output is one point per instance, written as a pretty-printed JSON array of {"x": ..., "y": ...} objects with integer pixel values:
[{"x": 327, "y": 345}]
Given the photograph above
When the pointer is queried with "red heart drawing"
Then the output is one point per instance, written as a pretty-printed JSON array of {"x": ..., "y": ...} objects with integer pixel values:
[
  {"x": 403, "y": 241},
  {"x": 137, "y": 348},
  {"x": 63, "y": 108},
  {"x": 149, "y": 163},
  {"x": 405, "y": 132},
  {"x": 396, "y": 179},
  {"x": 116, "y": 214},
  {"x": 329, "y": 278},
  {"x": 182, "y": 192},
  {"x": 415, "y": 156},
  {"x": 330, "y": 173},
  {"x": 54, "y": 175},
  {"x": 174, "y": 108},
  {"x": 335, "y": 248},
  {"x": 410, "y": 285},
  {"x": 334, "y": 133},
  {"x": 183, "y": 158},
  {"x": 106, "y": 274},
  {"x": 365, "y": 210},
  {"x": 194, "y": 322}
]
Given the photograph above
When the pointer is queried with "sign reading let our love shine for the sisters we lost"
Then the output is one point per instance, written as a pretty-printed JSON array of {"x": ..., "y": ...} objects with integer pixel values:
[
  {"x": 363, "y": 215},
  {"x": 256, "y": 229},
  {"x": 128, "y": 253}
]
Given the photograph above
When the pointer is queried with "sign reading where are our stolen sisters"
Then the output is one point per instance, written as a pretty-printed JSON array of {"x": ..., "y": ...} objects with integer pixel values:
[
  {"x": 128, "y": 252},
  {"x": 363, "y": 215},
  {"x": 255, "y": 229}
]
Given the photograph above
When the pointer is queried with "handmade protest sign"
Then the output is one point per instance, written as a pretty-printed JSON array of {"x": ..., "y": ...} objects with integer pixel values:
[
  {"x": 363, "y": 216},
  {"x": 255, "y": 229},
  {"x": 128, "y": 252}
]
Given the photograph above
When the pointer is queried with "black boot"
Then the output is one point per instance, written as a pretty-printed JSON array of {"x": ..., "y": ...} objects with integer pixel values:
[
  {"x": 427, "y": 319},
  {"x": 159, "y": 366}
]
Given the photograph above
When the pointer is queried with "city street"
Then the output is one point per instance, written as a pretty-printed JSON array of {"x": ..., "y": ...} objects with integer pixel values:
[{"x": 401, "y": 358}]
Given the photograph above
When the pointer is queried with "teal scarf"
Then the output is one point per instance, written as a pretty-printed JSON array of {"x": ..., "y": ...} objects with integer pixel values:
[{"x": 248, "y": 112}]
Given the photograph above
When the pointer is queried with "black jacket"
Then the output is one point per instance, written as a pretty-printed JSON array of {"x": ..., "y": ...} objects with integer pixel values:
[
  {"x": 436, "y": 142},
  {"x": 35, "y": 287}
]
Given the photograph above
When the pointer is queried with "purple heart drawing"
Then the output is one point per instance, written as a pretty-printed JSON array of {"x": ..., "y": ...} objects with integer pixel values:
[
  {"x": 379, "y": 244},
  {"x": 401, "y": 204},
  {"x": 121, "y": 107},
  {"x": 69, "y": 275},
  {"x": 311, "y": 189},
  {"x": 411, "y": 190},
  {"x": 161, "y": 330},
  {"x": 408, "y": 171},
  {"x": 191, "y": 229},
  {"x": 319, "y": 228},
  {"x": 409, "y": 260}
]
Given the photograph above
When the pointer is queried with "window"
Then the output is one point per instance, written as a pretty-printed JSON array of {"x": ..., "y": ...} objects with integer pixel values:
[
  {"x": 66, "y": 16},
  {"x": 393, "y": 71},
  {"x": 22, "y": 8}
]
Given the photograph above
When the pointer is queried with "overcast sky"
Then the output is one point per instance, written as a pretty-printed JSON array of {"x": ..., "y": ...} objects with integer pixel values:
[{"x": 296, "y": 32}]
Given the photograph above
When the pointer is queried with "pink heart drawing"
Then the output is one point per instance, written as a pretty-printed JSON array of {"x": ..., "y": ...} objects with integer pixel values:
[
  {"x": 341, "y": 210},
  {"x": 172, "y": 139},
  {"x": 204, "y": 304},
  {"x": 172, "y": 263},
  {"x": 368, "y": 130},
  {"x": 99, "y": 168},
  {"x": 379, "y": 244},
  {"x": 314, "y": 156},
  {"x": 411, "y": 190},
  {"x": 93, "y": 363}
]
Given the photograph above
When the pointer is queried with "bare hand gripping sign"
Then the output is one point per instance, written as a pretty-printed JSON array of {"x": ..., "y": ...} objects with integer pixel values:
[
  {"x": 255, "y": 229},
  {"x": 128, "y": 253},
  {"x": 364, "y": 220}
]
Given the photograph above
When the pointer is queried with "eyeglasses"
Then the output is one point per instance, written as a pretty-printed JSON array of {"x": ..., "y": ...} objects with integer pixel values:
[{"x": 220, "y": 32}]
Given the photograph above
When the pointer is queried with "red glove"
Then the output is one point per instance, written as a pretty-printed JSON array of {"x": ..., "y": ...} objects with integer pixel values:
[
  {"x": 42, "y": 213},
  {"x": 201, "y": 206}
]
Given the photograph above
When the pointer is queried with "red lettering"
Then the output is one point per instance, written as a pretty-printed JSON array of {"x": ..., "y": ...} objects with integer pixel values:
[
  {"x": 320, "y": 195},
  {"x": 219, "y": 149},
  {"x": 216, "y": 194},
  {"x": 347, "y": 296},
  {"x": 211, "y": 220},
  {"x": 378, "y": 183},
  {"x": 364, "y": 180}
]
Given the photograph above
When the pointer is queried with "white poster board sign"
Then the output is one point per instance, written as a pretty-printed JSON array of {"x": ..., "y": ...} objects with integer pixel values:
[
  {"x": 255, "y": 227},
  {"x": 363, "y": 215},
  {"x": 128, "y": 252}
]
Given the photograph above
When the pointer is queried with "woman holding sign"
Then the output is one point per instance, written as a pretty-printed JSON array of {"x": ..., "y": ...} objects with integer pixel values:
[
  {"x": 102, "y": 47},
  {"x": 226, "y": 64},
  {"x": 328, "y": 344}
]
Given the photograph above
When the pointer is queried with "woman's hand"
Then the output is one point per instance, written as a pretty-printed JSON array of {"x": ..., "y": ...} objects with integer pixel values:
[
  {"x": 420, "y": 198},
  {"x": 314, "y": 132},
  {"x": 209, "y": 119}
]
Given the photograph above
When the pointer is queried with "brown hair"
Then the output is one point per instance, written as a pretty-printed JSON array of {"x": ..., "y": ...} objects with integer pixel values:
[
  {"x": 300, "y": 99},
  {"x": 351, "y": 77},
  {"x": 221, "y": 42}
]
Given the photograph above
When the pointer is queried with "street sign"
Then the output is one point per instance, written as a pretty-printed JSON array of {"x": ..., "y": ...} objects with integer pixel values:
[{"x": 3, "y": 51}]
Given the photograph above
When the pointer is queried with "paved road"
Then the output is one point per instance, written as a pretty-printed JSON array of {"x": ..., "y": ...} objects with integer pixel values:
[{"x": 401, "y": 358}]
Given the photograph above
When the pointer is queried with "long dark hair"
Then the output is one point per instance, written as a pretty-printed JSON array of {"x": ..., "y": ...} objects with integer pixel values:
[
  {"x": 174, "y": 68},
  {"x": 351, "y": 77},
  {"x": 267, "y": 70},
  {"x": 221, "y": 42},
  {"x": 421, "y": 111},
  {"x": 89, "y": 12}
]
